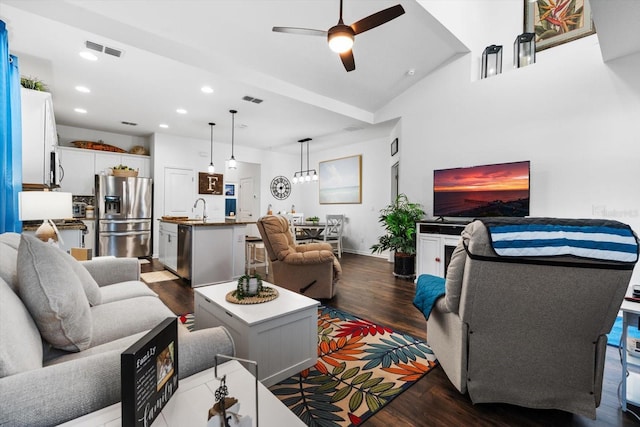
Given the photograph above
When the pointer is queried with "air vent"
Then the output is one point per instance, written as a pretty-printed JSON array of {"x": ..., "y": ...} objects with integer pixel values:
[
  {"x": 113, "y": 52},
  {"x": 252, "y": 99},
  {"x": 93, "y": 46},
  {"x": 129, "y": 123},
  {"x": 105, "y": 49}
]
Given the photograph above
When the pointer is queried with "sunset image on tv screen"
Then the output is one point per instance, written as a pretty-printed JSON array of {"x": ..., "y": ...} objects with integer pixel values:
[{"x": 489, "y": 190}]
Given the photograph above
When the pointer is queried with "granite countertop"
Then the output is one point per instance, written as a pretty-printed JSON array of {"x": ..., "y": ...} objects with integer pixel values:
[
  {"x": 209, "y": 223},
  {"x": 62, "y": 224}
]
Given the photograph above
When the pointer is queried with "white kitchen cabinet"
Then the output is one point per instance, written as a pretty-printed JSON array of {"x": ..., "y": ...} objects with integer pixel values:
[
  {"x": 78, "y": 177},
  {"x": 39, "y": 137},
  {"x": 168, "y": 246},
  {"x": 104, "y": 161},
  {"x": 435, "y": 244},
  {"x": 68, "y": 238},
  {"x": 80, "y": 167},
  {"x": 90, "y": 235}
]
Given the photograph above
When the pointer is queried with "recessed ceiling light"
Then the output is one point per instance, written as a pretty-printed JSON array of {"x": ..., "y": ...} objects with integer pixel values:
[
  {"x": 206, "y": 89},
  {"x": 80, "y": 110},
  {"x": 164, "y": 125},
  {"x": 181, "y": 111},
  {"x": 83, "y": 89},
  {"x": 88, "y": 55}
]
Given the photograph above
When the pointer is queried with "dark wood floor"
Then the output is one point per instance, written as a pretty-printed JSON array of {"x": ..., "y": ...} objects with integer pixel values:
[{"x": 369, "y": 290}]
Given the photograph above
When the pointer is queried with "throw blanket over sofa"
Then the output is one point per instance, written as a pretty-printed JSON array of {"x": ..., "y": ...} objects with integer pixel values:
[
  {"x": 528, "y": 327},
  {"x": 64, "y": 324}
]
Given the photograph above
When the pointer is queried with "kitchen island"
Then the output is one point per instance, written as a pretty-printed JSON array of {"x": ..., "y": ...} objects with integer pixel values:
[{"x": 206, "y": 252}]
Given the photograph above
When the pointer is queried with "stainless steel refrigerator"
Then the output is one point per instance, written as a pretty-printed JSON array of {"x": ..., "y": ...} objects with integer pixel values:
[{"x": 124, "y": 216}]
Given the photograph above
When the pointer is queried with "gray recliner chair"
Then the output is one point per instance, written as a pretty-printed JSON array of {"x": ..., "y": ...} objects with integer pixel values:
[{"x": 530, "y": 330}]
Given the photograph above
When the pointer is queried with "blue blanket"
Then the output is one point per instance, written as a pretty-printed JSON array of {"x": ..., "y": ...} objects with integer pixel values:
[
  {"x": 596, "y": 239},
  {"x": 428, "y": 289}
]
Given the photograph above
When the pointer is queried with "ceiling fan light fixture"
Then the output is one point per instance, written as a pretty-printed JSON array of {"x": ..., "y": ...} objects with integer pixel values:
[{"x": 340, "y": 38}]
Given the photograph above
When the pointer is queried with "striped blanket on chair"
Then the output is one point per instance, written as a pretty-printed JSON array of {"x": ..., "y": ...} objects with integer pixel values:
[{"x": 585, "y": 238}]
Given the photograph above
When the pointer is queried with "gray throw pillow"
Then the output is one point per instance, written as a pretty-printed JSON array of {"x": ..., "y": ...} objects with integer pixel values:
[
  {"x": 53, "y": 295},
  {"x": 90, "y": 286},
  {"x": 20, "y": 342}
]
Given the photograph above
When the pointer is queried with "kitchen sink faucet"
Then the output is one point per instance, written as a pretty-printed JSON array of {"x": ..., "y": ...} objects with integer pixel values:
[{"x": 204, "y": 208}]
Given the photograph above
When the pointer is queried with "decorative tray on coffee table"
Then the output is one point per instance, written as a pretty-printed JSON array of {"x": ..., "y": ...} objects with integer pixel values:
[{"x": 266, "y": 294}]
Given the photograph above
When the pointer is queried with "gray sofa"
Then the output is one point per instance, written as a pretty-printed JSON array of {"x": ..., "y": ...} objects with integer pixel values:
[
  {"x": 64, "y": 324},
  {"x": 530, "y": 330}
]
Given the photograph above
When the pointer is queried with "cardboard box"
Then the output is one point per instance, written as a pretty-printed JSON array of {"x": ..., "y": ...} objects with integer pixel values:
[{"x": 81, "y": 254}]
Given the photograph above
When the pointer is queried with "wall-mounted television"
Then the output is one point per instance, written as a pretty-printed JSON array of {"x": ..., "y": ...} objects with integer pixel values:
[{"x": 481, "y": 191}]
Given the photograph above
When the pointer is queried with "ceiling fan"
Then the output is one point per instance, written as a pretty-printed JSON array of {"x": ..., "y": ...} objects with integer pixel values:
[{"x": 341, "y": 36}]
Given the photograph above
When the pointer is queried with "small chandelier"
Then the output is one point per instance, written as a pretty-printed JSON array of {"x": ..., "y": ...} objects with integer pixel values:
[
  {"x": 232, "y": 160},
  {"x": 304, "y": 175},
  {"x": 211, "y": 169},
  {"x": 491, "y": 61}
]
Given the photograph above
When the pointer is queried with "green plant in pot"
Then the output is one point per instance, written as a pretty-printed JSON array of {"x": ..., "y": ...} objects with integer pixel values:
[{"x": 399, "y": 221}]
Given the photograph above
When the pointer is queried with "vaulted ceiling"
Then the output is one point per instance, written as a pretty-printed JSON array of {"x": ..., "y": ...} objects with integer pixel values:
[{"x": 171, "y": 48}]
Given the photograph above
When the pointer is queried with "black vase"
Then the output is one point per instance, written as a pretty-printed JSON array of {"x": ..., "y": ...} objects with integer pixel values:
[{"x": 404, "y": 265}]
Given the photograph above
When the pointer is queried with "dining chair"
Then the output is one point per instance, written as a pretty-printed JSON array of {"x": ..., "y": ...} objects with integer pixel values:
[
  {"x": 333, "y": 232},
  {"x": 297, "y": 219}
]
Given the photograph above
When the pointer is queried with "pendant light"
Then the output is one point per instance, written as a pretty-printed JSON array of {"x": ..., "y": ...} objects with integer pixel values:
[
  {"x": 232, "y": 160},
  {"x": 304, "y": 175},
  {"x": 211, "y": 169}
]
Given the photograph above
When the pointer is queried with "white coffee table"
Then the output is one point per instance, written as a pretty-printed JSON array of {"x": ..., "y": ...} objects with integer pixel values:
[
  {"x": 190, "y": 405},
  {"x": 280, "y": 335}
]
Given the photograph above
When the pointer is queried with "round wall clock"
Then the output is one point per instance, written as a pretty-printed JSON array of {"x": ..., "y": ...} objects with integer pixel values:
[{"x": 280, "y": 187}]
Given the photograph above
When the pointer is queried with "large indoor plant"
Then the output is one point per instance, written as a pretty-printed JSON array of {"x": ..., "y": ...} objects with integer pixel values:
[{"x": 399, "y": 221}]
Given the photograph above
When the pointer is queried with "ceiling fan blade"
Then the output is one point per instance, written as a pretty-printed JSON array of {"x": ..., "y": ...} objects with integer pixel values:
[
  {"x": 348, "y": 61},
  {"x": 300, "y": 31},
  {"x": 377, "y": 19}
]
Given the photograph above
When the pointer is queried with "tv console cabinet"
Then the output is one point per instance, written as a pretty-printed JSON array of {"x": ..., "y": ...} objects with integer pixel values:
[{"x": 436, "y": 241}]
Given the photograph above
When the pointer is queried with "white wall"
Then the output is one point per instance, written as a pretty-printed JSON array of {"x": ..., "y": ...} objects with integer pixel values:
[
  {"x": 570, "y": 114},
  {"x": 361, "y": 226}
]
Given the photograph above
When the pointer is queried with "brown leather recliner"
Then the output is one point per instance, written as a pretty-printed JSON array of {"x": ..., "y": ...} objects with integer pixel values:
[{"x": 310, "y": 269}]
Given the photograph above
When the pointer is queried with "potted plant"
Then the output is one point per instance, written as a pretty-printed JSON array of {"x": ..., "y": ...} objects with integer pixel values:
[
  {"x": 313, "y": 220},
  {"x": 249, "y": 285},
  {"x": 399, "y": 221}
]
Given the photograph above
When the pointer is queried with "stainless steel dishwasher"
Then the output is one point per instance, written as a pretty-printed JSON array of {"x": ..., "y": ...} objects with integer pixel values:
[{"x": 184, "y": 251}]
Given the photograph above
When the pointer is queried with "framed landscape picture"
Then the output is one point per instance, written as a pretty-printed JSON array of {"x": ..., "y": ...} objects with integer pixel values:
[
  {"x": 557, "y": 22},
  {"x": 341, "y": 180}
]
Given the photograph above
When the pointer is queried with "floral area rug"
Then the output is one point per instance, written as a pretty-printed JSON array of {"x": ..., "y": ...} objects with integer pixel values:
[{"x": 361, "y": 367}]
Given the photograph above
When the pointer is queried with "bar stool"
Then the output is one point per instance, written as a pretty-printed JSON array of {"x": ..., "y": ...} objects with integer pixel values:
[{"x": 252, "y": 245}]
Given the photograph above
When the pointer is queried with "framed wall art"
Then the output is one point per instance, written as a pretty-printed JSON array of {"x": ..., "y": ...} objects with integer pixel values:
[
  {"x": 557, "y": 22},
  {"x": 394, "y": 147},
  {"x": 341, "y": 180},
  {"x": 230, "y": 189},
  {"x": 210, "y": 183}
]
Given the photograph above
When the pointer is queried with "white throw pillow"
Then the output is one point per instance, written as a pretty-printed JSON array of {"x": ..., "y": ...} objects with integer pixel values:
[{"x": 53, "y": 294}]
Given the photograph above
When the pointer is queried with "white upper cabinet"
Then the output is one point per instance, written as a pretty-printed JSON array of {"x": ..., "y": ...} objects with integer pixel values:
[
  {"x": 39, "y": 137},
  {"x": 104, "y": 161},
  {"x": 81, "y": 165},
  {"x": 78, "y": 170}
]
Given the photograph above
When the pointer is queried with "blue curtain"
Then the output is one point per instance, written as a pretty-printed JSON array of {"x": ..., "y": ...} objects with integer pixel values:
[{"x": 10, "y": 137}]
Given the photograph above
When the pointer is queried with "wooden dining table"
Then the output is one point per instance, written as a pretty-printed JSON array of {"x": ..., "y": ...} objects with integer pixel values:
[{"x": 312, "y": 231}]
